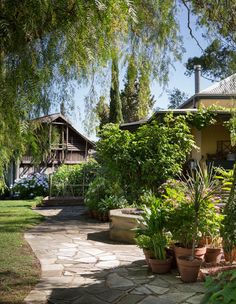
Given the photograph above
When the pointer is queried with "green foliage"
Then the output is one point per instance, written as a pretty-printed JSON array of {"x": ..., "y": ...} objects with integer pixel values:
[
  {"x": 154, "y": 223},
  {"x": 232, "y": 128},
  {"x": 45, "y": 46},
  {"x": 159, "y": 148},
  {"x": 202, "y": 118},
  {"x": 221, "y": 289},
  {"x": 176, "y": 98},
  {"x": 115, "y": 114},
  {"x": 71, "y": 180},
  {"x": 228, "y": 230},
  {"x": 193, "y": 211},
  {"x": 102, "y": 112},
  {"x": 102, "y": 189},
  {"x": 217, "y": 61},
  {"x": 144, "y": 242},
  {"x": 111, "y": 202}
]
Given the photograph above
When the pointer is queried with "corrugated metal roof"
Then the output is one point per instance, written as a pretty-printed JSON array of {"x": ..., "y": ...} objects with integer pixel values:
[{"x": 225, "y": 86}]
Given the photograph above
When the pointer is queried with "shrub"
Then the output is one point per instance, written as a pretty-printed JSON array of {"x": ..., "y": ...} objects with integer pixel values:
[
  {"x": 111, "y": 202},
  {"x": 35, "y": 184},
  {"x": 73, "y": 179},
  {"x": 99, "y": 189},
  {"x": 148, "y": 157}
]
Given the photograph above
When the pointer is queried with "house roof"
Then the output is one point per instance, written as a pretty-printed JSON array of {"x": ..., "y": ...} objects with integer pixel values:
[
  {"x": 224, "y": 89},
  {"x": 52, "y": 117},
  {"x": 225, "y": 86}
]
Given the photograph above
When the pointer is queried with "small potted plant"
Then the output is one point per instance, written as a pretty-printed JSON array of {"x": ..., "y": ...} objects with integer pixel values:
[
  {"x": 213, "y": 240},
  {"x": 145, "y": 243},
  {"x": 160, "y": 263},
  {"x": 154, "y": 222}
]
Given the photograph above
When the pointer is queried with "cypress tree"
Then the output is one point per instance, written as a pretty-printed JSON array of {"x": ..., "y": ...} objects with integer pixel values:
[{"x": 115, "y": 102}]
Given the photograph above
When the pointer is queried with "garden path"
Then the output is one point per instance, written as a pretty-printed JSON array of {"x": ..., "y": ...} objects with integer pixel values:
[{"x": 80, "y": 265}]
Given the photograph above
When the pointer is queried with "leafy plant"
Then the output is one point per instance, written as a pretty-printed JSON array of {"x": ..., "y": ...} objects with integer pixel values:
[
  {"x": 160, "y": 148},
  {"x": 102, "y": 192},
  {"x": 154, "y": 225},
  {"x": 73, "y": 180},
  {"x": 159, "y": 242},
  {"x": 193, "y": 212},
  {"x": 144, "y": 242},
  {"x": 202, "y": 118},
  {"x": 221, "y": 289},
  {"x": 111, "y": 202},
  {"x": 228, "y": 230}
]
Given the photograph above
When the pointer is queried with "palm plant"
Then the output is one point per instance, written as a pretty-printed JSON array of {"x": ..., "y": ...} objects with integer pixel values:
[{"x": 201, "y": 188}]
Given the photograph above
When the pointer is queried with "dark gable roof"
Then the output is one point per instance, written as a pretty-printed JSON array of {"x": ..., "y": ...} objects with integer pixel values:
[{"x": 52, "y": 117}]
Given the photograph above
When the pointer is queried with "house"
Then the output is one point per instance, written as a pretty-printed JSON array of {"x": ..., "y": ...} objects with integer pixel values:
[
  {"x": 213, "y": 141},
  {"x": 70, "y": 147}
]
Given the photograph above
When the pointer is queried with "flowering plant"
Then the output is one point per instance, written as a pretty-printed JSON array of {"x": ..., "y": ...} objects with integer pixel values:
[{"x": 32, "y": 185}]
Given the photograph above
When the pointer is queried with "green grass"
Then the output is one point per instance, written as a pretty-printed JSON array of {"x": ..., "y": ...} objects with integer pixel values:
[{"x": 19, "y": 268}]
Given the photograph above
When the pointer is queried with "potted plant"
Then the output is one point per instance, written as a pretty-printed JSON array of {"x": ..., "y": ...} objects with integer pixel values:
[
  {"x": 145, "y": 243},
  {"x": 153, "y": 224},
  {"x": 213, "y": 240},
  {"x": 201, "y": 188},
  {"x": 181, "y": 226},
  {"x": 160, "y": 263}
]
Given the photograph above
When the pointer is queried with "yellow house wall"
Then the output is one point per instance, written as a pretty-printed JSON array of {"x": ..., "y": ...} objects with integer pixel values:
[
  {"x": 210, "y": 136},
  {"x": 226, "y": 103}
]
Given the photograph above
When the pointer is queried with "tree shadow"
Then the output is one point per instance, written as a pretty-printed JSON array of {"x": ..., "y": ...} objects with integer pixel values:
[{"x": 115, "y": 285}]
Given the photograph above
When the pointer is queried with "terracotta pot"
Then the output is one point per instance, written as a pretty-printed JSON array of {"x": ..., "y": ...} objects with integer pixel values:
[
  {"x": 213, "y": 255},
  {"x": 181, "y": 251},
  {"x": 230, "y": 257},
  {"x": 148, "y": 255},
  {"x": 160, "y": 266},
  {"x": 189, "y": 269}
]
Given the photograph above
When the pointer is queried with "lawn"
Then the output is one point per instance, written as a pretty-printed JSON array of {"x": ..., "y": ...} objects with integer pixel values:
[{"x": 19, "y": 268}]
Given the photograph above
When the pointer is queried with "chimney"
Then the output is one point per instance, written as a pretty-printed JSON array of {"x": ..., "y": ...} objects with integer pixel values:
[{"x": 197, "y": 73}]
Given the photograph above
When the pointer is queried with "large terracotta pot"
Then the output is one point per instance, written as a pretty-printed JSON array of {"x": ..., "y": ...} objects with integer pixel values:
[
  {"x": 181, "y": 251},
  {"x": 148, "y": 255},
  {"x": 189, "y": 269},
  {"x": 213, "y": 255},
  {"x": 160, "y": 266}
]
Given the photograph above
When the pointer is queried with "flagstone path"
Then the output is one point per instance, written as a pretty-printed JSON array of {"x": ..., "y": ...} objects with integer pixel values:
[{"x": 80, "y": 265}]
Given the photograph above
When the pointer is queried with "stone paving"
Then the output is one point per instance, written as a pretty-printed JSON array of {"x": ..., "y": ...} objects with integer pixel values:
[{"x": 80, "y": 265}]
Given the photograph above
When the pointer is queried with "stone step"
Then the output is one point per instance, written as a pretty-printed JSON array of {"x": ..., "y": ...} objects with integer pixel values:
[{"x": 63, "y": 201}]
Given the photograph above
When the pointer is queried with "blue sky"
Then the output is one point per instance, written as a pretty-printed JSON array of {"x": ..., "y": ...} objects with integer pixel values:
[{"x": 177, "y": 79}]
